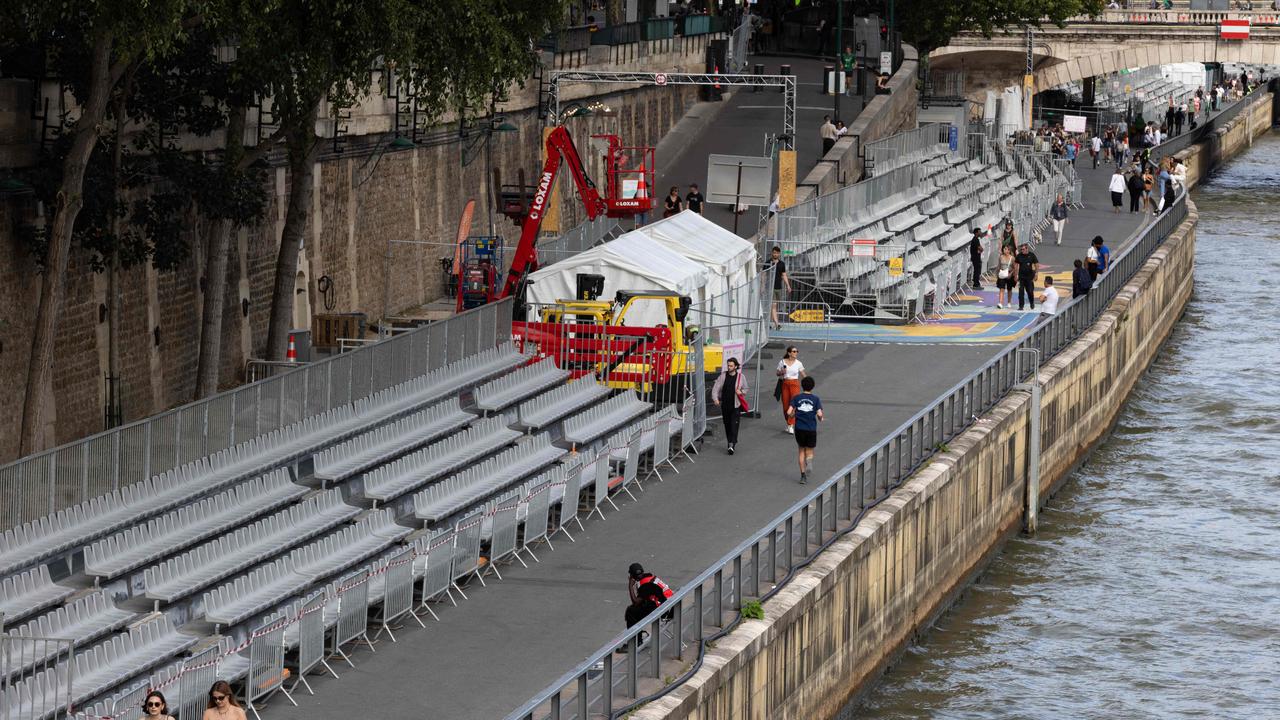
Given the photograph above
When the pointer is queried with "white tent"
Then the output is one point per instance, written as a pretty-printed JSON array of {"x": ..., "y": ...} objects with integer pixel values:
[
  {"x": 630, "y": 262},
  {"x": 730, "y": 259}
]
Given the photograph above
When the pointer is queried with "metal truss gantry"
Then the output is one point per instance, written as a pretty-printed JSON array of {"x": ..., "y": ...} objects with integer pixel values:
[{"x": 657, "y": 79}]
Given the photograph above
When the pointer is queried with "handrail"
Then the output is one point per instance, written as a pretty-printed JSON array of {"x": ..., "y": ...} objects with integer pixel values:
[{"x": 1049, "y": 338}]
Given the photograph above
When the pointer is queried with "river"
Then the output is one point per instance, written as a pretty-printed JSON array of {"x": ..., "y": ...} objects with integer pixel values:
[{"x": 1153, "y": 587}]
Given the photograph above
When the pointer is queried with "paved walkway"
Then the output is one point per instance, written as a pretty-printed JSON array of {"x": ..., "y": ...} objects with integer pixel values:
[{"x": 510, "y": 640}]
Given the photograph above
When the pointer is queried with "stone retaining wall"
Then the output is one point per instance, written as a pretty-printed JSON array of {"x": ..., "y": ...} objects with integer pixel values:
[{"x": 829, "y": 633}]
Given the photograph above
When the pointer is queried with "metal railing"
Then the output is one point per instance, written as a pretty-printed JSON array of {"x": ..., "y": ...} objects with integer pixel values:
[
  {"x": 765, "y": 562},
  {"x": 1178, "y": 16},
  {"x": 880, "y": 153},
  {"x": 578, "y": 238},
  {"x": 49, "y": 481}
]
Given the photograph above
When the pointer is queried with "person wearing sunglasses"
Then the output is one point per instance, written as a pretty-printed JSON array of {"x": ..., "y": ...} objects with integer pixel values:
[
  {"x": 155, "y": 707},
  {"x": 223, "y": 704}
]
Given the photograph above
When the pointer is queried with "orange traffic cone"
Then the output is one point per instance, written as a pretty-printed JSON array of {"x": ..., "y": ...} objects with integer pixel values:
[
  {"x": 642, "y": 189},
  {"x": 292, "y": 355},
  {"x": 716, "y": 84}
]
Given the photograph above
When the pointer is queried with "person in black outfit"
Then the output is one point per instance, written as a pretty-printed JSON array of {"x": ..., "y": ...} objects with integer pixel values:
[
  {"x": 975, "y": 256},
  {"x": 647, "y": 592},
  {"x": 729, "y": 394},
  {"x": 1136, "y": 189},
  {"x": 694, "y": 199},
  {"x": 1028, "y": 264},
  {"x": 1080, "y": 280}
]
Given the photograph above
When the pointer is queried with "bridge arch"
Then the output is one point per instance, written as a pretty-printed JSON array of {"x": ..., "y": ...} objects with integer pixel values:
[{"x": 1112, "y": 61}]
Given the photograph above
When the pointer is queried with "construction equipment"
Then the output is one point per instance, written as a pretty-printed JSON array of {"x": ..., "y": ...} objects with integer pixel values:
[
  {"x": 626, "y": 194},
  {"x": 592, "y": 336}
]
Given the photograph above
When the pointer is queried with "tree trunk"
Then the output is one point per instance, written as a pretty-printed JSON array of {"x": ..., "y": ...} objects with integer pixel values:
[
  {"x": 70, "y": 201},
  {"x": 302, "y": 144},
  {"x": 215, "y": 269},
  {"x": 615, "y": 12}
]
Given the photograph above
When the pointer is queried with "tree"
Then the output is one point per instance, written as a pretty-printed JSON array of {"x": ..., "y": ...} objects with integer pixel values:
[
  {"x": 928, "y": 24},
  {"x": 120, "y": 35},
  {"x": 458, "y": 54}
]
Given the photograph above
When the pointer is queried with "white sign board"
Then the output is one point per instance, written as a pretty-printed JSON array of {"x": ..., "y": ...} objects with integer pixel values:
[
  {"x": 1073, "y": 123},
  {"x": 886, "y": 63},
  {"x": 630, "y": 187},
  {"x": 739, "y": 179},
  {"x": 860, "y": 247}
]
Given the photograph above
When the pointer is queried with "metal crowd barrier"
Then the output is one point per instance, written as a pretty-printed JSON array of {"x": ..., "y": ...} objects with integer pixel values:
[
  {"x": 709, "y": 606},
  {"x": 44, "y": 483}
]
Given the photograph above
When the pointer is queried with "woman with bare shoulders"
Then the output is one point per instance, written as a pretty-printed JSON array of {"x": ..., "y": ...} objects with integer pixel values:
[{"x": 223, "y": 704}]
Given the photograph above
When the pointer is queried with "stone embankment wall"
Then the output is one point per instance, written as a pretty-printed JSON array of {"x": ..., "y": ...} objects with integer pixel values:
[
  {"x": 360, "y": 202},
  {"x": 828, "y": 634}
]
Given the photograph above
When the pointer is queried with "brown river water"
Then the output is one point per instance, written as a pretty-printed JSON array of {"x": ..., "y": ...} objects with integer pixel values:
[{"x": 1152, "y": 589}]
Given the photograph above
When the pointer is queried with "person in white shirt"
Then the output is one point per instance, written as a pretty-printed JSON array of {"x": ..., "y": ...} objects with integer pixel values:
[
  {"x": 1117, "y": 188},
  {"x": 1048, "y": 298},
  {"x": 1095, "y": 145},
  {"x": 1179, "y": 173},
  {"x": 790, "y": 372}
]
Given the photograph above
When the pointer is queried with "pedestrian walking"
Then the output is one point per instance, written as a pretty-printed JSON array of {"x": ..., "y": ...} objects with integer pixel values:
[
  {"x": 1048, "y": 298},
  {"x": 805, "y": 411},
  {"x": 848, "y": 63},
  {"x": 1117, "y": 187},
  {"x": 694, "y": 199},
  {"x": 1005, "y": 277},
  {"x": 1164, "y": 181},
  {"x": 1136, "y": 189},
  {"x": 828, "y": 134},
  {"x": 1009, "y": 235},
  {"x": 1080, "y": 280},
  {"x": 975, "y": 256},
  {"x": 673, "y": 204},
  {"x": 729, "y": 393},
  {"x": 781, "y": 284},
  {"x": 790, "y": 373},
  {"x": 1095, "y": 148},
  {"x": 1028, "y": 265},
  {"x": 1058, "y": 214},
  {"x": 1148, "y": 184}
]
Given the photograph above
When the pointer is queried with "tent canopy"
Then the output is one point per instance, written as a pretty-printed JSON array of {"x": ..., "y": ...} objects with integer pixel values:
[
  {"x": 630, "y": 262},
  {"x": 697, "y": 238}
]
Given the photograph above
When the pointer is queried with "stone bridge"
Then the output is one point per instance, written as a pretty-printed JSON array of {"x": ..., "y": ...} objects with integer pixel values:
[{"x": 1115, "y": 40}]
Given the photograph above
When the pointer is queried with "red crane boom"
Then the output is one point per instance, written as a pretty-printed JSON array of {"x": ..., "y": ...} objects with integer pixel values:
[{"x": 560, "y": 150}]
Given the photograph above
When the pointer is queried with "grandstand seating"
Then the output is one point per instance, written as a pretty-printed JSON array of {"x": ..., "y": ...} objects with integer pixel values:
[
  {"x": 927, "y": 224},
  {"x": 233, "y": 541}
]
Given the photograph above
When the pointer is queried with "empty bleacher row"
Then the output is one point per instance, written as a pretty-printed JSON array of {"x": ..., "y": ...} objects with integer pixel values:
[
  {"x": 935, "y": 197},
  {"x": 420, "y": 486}
]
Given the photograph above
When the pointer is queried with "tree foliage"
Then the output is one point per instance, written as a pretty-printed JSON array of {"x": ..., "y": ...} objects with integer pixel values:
[{"x": 929, "y": 24}]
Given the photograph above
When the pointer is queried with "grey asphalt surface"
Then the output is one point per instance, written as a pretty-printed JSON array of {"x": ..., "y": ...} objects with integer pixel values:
[
  {"x": 738, "y": 126},
  {"x": 511, "y": 639}
]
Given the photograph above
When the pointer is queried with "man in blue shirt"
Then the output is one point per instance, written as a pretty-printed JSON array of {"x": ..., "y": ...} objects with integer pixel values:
[{"x": 807, "y": 410}]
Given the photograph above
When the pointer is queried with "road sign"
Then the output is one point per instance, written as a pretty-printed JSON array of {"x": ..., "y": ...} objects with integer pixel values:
[
  {"x": 1128, "y": 88},
  {"x": 862, "y": 247},
  {"x": 886, "y": 63},
  {"x": 660, "y": 79},
  {"x": 953, "y": 138},
  {"x": 895, "y": 266},
  {"x": 807, "y": 315},
  {"x": 739, "y": 180}
]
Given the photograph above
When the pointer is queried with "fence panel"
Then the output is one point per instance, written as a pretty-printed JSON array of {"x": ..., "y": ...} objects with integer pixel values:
[
  {"x": 246, "y": 406},
  {"x": 191, "y": 433},
  {"x": 293, "y": 397},
  {"x": 69, "y": 475},
  {"x": 269, "y": 402},
  {"x": 361, "y": 374},
  {"x": 198, "y": 673},
  {"x": 163, "y": 443}
]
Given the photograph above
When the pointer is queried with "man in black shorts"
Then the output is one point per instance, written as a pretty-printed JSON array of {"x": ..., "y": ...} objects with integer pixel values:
[{"x": 807, "y": 410}]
